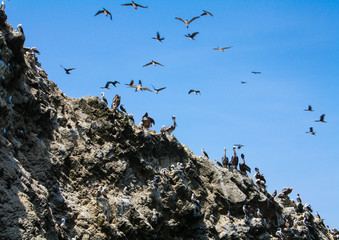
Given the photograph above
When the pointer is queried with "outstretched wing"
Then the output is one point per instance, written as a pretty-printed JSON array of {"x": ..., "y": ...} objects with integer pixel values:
[
  {"x": 146, "y": 88},
  {"x": 70, "y": 69},
  {"x": 226, "y": 48},
  {"x": 190, "y": 91},
  {"x": 101, "y": 11},
  {"x": 127, "y": 4},
  {"x": 138, "y": 5},
  {"x": 158, "y": 63},
  {"x": 215, "y": 48},
  {"x": 193, "y": 19},
  {"x": 194, "y": 34},
  {"x": 322, "y": 117},
  {"x": 147, "y": 64},
  {"x": 180, "y": 19},
  {"x": 161, "y": 88}
]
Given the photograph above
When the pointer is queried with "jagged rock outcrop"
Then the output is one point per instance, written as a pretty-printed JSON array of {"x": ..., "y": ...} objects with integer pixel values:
[{"x": 56, "y": 151}]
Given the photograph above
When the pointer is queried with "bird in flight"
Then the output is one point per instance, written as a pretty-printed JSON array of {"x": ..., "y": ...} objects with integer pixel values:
[
  {"x": 239, "y": 145},
  {"x": 186, "y": 21},
  {"x": 256, "y": 72},
  {"x": 158, "y": 38},
  {"x": 191, "y": 36},
  {"x": 221, "y": 49},
  {"x": 158, "y": 90},
  {"x": 242, "y": 82},
  {"x": 135, "y": 5},
  {"x": 138, "y": 87},
  {"x": 194, "y": 91},
  {"x": 108, "y": 83},
  {"x": 311, "y": 131},
  {"x": 105, "y": 11},
  {"x": 321, "y": 119},
  {"x": 309, "y": 109},
  {"x": 154, "y": 63},
  {"x": 205, "y": 13},
  {"x": 67, "y": 70}
]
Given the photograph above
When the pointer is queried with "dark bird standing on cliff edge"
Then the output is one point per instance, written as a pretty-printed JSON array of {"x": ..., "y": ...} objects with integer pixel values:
[
  {"x": 186, "y": 21},
  {"x": 204, "y": 153},
  {"x": 242, "y": 166},
  {"x": 225, "y": 159},
  {"x": 105, "y": 11},
  {"x": 67, "y": 70}
]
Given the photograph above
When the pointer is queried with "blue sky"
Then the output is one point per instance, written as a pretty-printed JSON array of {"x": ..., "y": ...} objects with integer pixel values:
[{"x": 295, "y": 44}]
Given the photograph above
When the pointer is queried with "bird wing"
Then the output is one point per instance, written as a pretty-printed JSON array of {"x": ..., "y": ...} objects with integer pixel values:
[
  {"x": 147, "y": 64},
  {"x": 115, "y": 82},
  {"x": 127, "y": 4},
  {"x": 151, "y": 120},
  {"x": 161, "y": 89},
  {"x": 193, "y": 19},
  {"x": 158, "y": 35},
  {"x": 101, "y": 11},
  {"x": 194, "y": 34},
  {"x": 62, "y": 67},
  {"x": 209, "y": 13},
  {"x": 158, "y": 63},
  {"x": 198, "y": 92},
  {"x": 225, "y": 48},
  {"x": 146, "y": 88},
  {"x": 180, "y": 19},
  {"x": 131, "y": 83},
  {"x": 140, "y": 5},
  {"x": 190, "y": 91},
  {"x": 70, "y": 69},
  {"x": 322, "y": 117}
]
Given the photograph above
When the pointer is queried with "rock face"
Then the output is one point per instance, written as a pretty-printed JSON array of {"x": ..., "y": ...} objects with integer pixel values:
[{"x": 56, "y": 151}]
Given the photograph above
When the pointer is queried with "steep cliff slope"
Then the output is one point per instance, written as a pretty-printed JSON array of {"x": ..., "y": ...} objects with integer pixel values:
[{"x": 56, "y": 152}]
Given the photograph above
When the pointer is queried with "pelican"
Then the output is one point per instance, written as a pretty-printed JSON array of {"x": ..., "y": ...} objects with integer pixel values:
[
  {"x": 321, "y": 119},
  {"x": 204, "y": 153},
  {"x": 154, "y": 63},
  {"x": 147, "y": 121},
  {"x": 108, "y": 83},
  {"x": 225, "y": 159},
  {"x": 242, "y": 166},
  {"x": 67, "y": 70},
  {"x": 311, "y": 131},
  {"x": 309, "y": 109},
  {"x": 158, "y": 38},
  {"x": 194, "y": 91},
  {"x": 234, "y": 159},
  {"x": 104, "y": 98},
  {"x": 158, "y": 90},
  {"x": 205, "y": 13},
  {"x": 186, "y": 21},
  {"x": 168, "y": 130},
  {"x": 284, "y": 193},
  {"x": 259, "y": 178},
  {"x": 191, "y": 36},
  {"x": 256, "y": 72},
  {"x": 221, "y": 48},
  {"x": 133, "y": 4},
  {"x": 122, "y": 108},
  {"x": 239, "y": 145},
  {"x": 105, "y": 11}
]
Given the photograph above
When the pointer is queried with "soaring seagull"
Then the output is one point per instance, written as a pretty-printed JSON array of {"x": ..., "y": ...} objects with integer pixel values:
[
  {"x": 321, "y": 119},
  {"x": 105, "y": 11},
  {"x": 205, "y": 13},
  {"x": 158, "y": 90},
  {"x": 158, "y": 38},
  {"x": 133, "y": 4},
  {"x": 186, "y": 21},
  {"x": 194, "y": 91},
  {"x": 221, "y": 48},
  {"x": 108, "y": 83},
  {"x": 67, "y": 70},
  {"x": 154, "y": 63},
  {"x": 191, "y": 36},
  {"x": 309, "y": 109}
]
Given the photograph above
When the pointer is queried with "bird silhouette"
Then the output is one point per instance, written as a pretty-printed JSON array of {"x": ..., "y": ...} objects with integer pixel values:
[
  {"x": 242, "y": 82},
  {"x": 205, "y": 13},
  {"x": 104, "y": 98},
  {"x": 191, "y": 36},
  {"x": 311, "y": 131},
  {"x": 321, "y": 119},
  {"x": 309, "y": 109},
  {"x": 158, "y": 38},
  {"x": 194, "y": 91},
  {"x": 67, "y": 70},
  {"x": 133, "y": 4},
  {"x": 239, "y": 145},
  {"x": 221, "y": 48},
  {"x": 105, "y": 11},
  {"x": 186, "y": 21},
  {"x": 154, "y": 63},
  {"x": 158, "y": 90},
  {"x": 108, "y": 83},
  {"x": 256, "y": 72}
]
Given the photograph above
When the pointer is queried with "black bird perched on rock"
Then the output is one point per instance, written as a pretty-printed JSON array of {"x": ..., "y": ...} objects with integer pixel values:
[
  {"x": 321, "y": 119},
  {"x": 158, "y": 38},
  {"x": 158, "y": 90},
  {"x": 122, "y": 108},
  {"x": 67, "y": 70},
  {"x": 194, "y": 91},
  {"x": 204, "y": 153},
  {"x": 116, "y": 101},
  {"x": 168, "y": 130},
  {"x": 256, "y": 72},
  {"x": 108, "y": 83},
  {"x": 133, "y": 4},
  {"x": 298, "y": 198},
  {"x": 147, "y": 121},
  {"x": 242, "y": 166},
  {"x": 205, "y": 13},
  {"x": 191, "y": 36},
  {"x": 311, "y": 131},
  {"x": 186, "y": 21},
  {"x": 105, "y": 11},
  {"x": 218, "y": 163},
  {"x": 225, "y": 159},
  {"x": 309, "y": 109},
  {"x": 234, "y": 159}
]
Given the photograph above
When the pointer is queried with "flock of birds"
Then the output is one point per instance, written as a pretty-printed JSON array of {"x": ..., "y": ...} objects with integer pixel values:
[{"x": 321, "y": 120}]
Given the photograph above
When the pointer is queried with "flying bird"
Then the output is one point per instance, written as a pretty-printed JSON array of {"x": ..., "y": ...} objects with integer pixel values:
[
  {"x": 205, "y": 13},
  {"x": 321, "y": 119},
  {"x": 311, "y": 131},
  {"x": 191, "y": 36},
  {"x": 309, "y": 109},
  {"x": 67, "y": 70},
  {"x": 186, "y": 21},
  {"x": 242, "y": 82},
  {"x": 154, "y": 63},
  {"x": 133, "y": 4},
  {"x": 104, "y": 98},
  {"x": 194, "y": 91},
  {"x": 138, "y": 87},
  {"x": 108, "y": 83},
  {"x": 158, "y": 38},
  {"x": 239, "y": 145},
  {"x": 105, "y": 11},
  {"x": 256, "y": 72},
  {"x": 221, "y": 48},
  {"x": 158, "y": 90}
]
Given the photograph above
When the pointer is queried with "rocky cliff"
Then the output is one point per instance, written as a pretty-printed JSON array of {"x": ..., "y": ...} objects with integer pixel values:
[{"x": 77, "y": 169}]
